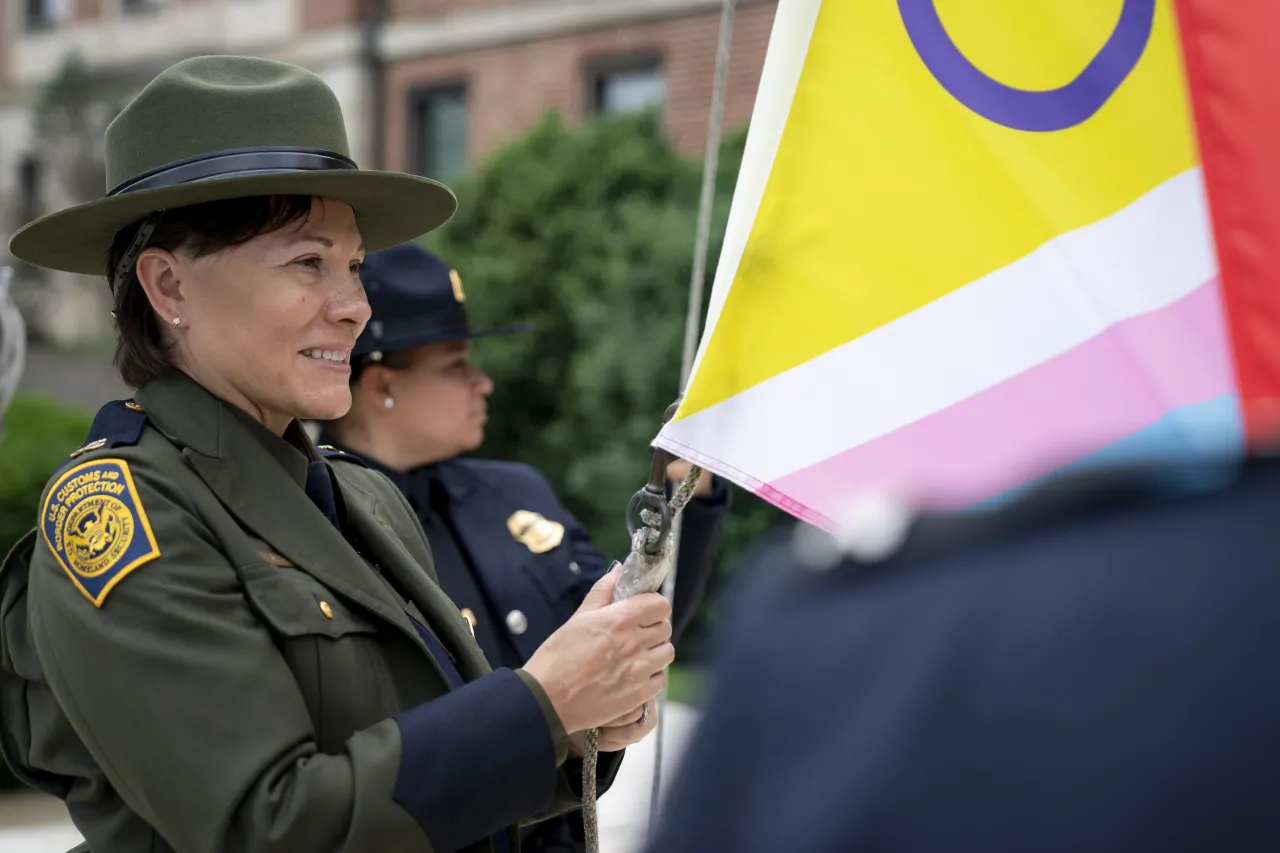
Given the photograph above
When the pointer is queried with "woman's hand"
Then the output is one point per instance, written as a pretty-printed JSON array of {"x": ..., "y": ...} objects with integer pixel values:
[
  {"x": 679, "y": 469},
  {"x": 607, "y": 660},
  {"x": 621, "y": 733}
]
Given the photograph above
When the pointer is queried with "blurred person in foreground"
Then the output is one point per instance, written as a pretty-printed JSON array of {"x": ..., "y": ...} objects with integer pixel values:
[
  {"x": 505, "y": 549},
  {"x": 218, "y": 638},
  {"x": 1087, "y": 668}
]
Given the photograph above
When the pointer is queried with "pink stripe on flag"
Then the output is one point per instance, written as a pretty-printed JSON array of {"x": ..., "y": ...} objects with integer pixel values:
[{"x": 1109, "y": 387}]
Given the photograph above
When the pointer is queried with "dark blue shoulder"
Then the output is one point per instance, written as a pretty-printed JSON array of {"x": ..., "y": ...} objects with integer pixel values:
[
  {"x": 498, "y": 472},
  {"x": 328, "y": 451},
  {"x": 117, "y": 424}
]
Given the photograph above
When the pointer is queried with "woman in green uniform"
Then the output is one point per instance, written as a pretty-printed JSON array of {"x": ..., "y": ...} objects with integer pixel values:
[{"x": 216, "y": 639}]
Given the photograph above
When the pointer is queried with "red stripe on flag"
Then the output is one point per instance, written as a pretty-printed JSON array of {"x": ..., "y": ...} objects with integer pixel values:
[{"x": 1232, "y": 53}]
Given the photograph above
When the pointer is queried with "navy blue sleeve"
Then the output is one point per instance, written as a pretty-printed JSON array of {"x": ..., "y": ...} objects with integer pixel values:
[
  {"x": 475, "y": 760},
  {"x": 701, "y": 533}
]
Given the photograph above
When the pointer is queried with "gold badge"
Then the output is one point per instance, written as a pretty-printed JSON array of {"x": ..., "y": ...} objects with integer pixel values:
[
  {"x": 456, "y": 281},
  {"x": 96, "y": 527},
  {"x": 536, "y": 532}
]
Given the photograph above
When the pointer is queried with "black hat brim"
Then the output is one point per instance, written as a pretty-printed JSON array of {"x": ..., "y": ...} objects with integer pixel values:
[
  {"x": 422, "y": 339},
  {"x": 390, "y": 208}
]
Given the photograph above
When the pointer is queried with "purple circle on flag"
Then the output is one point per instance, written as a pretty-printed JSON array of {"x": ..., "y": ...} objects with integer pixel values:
[{"x": 1025, "y": 109}]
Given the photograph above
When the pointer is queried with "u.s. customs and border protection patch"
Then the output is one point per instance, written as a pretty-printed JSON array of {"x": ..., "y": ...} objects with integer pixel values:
[{"x": 96, "y": 526}]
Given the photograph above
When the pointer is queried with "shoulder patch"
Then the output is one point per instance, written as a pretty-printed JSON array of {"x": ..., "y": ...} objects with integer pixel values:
[{"x": 94, "y": 523}]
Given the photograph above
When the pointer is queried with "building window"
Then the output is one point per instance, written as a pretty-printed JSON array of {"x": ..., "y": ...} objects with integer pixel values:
[
  {"x": 43, "y": 14},
  {"x": 29, "y": 180},
  {"x": 625, "y": 84},
  {"x": 141, "y": 5},
  {"x": 438, "y": 131}
]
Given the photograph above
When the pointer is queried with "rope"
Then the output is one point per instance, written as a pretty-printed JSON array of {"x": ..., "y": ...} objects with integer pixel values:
[
  {"x": 641, "y": 572},
  {"x": 693, "y": 325}
]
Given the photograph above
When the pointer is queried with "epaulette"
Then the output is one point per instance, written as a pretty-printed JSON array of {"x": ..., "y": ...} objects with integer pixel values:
[
  {"x": 328, "y": 451},
  {"x": 117, "y": 424}
]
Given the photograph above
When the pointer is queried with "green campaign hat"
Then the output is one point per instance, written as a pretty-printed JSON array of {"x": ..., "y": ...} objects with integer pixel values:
[{"x": 220, "y": 127}]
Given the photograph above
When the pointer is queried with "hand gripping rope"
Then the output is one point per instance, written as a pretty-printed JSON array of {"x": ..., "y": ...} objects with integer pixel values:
[{"x": 652, "y": 547}]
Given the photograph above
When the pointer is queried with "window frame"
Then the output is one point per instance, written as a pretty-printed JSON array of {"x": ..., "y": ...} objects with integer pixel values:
[
  {"x": 141, "y": 7},
  {"x": 52, "y": 20},
  {"x": 597, "y": 69},
  {"x": 417, "y": 98}
]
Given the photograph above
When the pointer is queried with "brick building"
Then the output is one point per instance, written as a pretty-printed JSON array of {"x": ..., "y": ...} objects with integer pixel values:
[{"x": 426, "y": 85}]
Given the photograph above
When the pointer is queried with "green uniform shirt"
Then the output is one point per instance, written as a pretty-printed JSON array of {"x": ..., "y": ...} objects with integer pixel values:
[{"x": 195, "y": 659}]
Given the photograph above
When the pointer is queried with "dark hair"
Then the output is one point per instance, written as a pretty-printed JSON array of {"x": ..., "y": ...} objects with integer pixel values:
[
  {"x": 396, "y": 359},
  {"x": 142, "y": 352}
]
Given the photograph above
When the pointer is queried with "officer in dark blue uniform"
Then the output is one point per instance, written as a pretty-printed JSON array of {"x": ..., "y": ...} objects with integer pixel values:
[
  {"x": 506, "y": 551},
  {"x": 1088, "y": 668}
]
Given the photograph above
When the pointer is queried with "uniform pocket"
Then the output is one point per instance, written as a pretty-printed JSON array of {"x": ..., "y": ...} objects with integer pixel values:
[
  {"x": 335, "y": 652},
  {"x": 293, "y": 604}
]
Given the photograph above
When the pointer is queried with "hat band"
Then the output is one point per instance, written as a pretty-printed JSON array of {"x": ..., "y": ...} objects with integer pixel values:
[{"x": 235, "y": 163}]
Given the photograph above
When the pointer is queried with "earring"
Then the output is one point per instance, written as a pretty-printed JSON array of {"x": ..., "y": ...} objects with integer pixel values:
[
  {"x": 388, "y": 402},
  {"x": 177, "y": 320}
]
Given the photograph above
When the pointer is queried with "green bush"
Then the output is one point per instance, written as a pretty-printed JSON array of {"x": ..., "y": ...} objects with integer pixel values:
[
  {"x": 588, "y": 233},
  {"x": 38, "y": 435}
]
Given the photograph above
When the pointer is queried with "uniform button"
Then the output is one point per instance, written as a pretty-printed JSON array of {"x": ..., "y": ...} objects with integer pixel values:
[
  {"x": 470, "y": 618},
  {"x": 517, "y": 623},
  {"x": 575, "y": 568},
  {"x": 326, "y": 610}
]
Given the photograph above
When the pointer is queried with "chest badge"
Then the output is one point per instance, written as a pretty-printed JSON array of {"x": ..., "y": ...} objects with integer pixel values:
[{"x": 535, "y": 531}]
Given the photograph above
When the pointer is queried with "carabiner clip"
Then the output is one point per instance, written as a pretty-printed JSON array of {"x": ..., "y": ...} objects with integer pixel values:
[{"x": 653, "y": 496}]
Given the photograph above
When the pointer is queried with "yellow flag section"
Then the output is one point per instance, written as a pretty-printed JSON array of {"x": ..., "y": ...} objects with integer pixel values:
[{"x": 948, "y": 209}]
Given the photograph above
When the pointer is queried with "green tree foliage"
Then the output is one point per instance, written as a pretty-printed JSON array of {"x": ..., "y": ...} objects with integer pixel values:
[
  {"x": 588, "y": 233},
  {"x": 38, "y": 435}
]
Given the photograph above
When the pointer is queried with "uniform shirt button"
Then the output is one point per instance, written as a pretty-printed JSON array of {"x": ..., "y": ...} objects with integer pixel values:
[
  {"x": 517, "y": 623},
  {"x": 575, "y": 568},
  {"x": 326, "y": 609}
]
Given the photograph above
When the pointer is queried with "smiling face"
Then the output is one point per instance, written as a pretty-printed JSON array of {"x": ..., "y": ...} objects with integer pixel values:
[{"x": 268, "y": 325}]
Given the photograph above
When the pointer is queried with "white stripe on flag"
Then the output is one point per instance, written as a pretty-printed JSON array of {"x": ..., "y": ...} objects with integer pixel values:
[{"x": 1141, "y": 258}]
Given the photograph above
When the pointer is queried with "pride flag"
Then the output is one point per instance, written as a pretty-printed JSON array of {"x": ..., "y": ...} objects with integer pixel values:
[{"x": 956, "y": 261}]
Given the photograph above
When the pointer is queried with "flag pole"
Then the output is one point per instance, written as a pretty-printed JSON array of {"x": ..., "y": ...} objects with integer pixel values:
[{"x": 693, "y": 324}]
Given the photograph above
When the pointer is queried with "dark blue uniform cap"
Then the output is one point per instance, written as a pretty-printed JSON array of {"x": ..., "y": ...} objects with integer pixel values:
[{"x": 416, "y": 299}]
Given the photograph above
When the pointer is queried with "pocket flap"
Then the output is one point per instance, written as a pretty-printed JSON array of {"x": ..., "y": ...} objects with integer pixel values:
[{"x": 295, "y": 605}]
